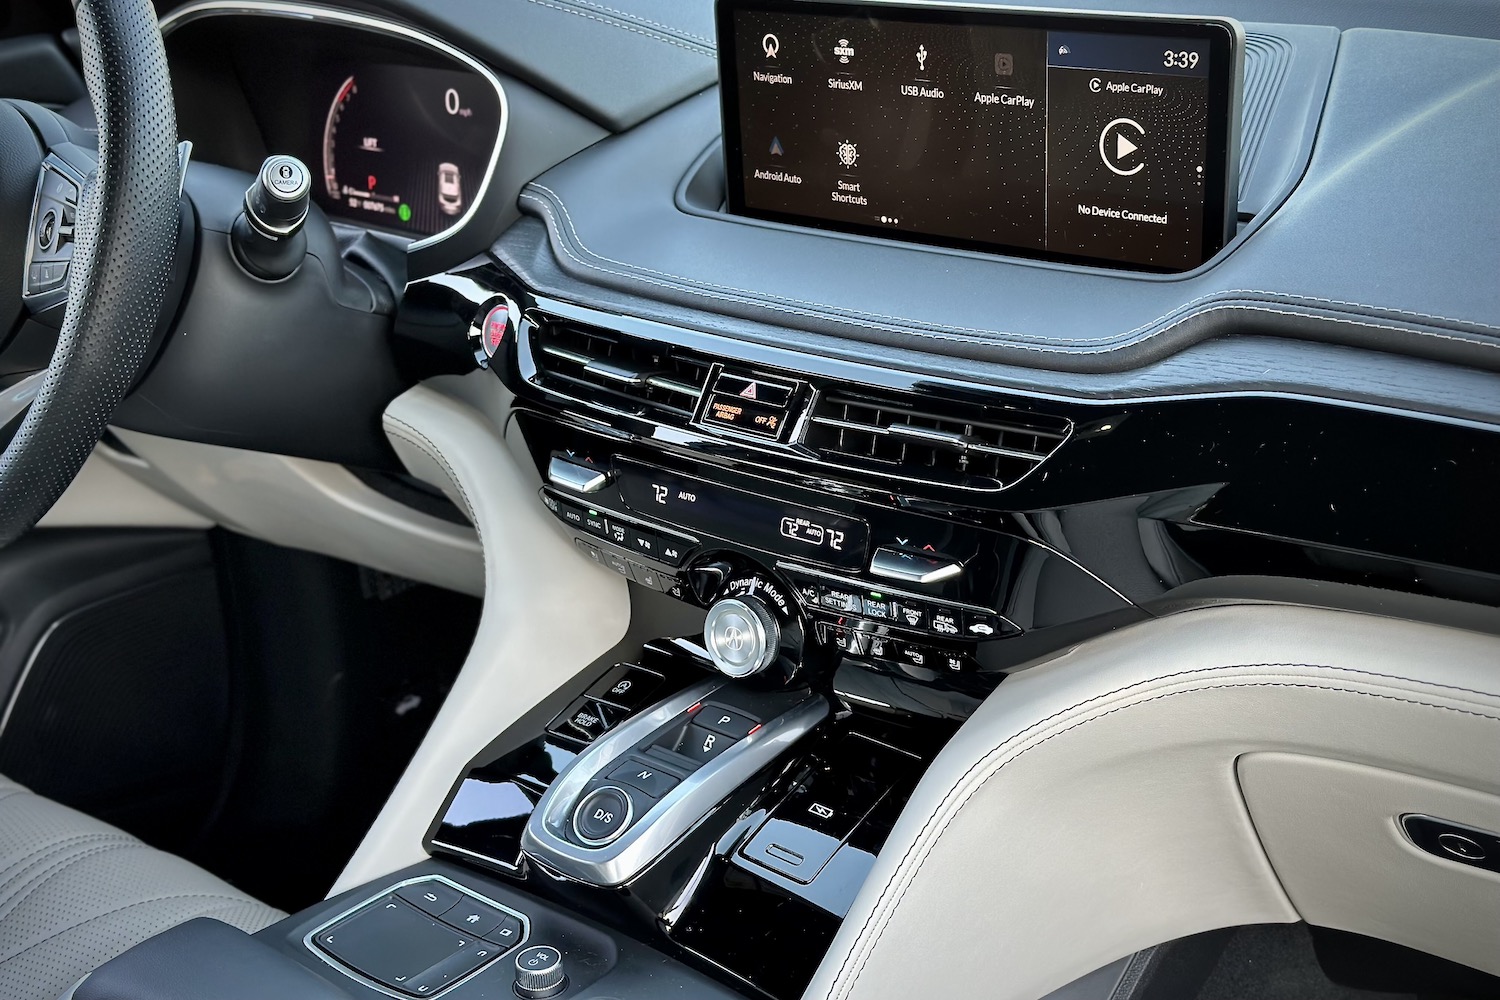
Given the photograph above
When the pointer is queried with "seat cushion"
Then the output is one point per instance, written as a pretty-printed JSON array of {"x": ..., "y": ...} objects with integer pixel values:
[{"x": 75, "y": 892}]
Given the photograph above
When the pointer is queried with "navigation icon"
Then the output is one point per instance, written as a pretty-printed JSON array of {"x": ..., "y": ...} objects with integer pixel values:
[
  {"x": 1117, "y": 149},
  {"x": 772, "y": 45},
  {"x": 776, "y": 148}
]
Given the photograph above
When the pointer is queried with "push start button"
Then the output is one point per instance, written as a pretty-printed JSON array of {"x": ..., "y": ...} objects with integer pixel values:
[{"x": 602, "y": 816}]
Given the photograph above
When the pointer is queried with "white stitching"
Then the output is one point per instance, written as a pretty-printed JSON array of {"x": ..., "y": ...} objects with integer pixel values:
[
  {"x": 644, "y": 32},
  {"x": 1112, "y": 342},
  {"x": 882, "y": 914},
  {"x": 636, "y": 18}
]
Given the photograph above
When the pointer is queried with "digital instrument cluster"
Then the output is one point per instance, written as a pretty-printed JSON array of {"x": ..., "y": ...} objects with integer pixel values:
[
  {"x": 404, "y": 147},
  {"x": 401, "y": 132}
]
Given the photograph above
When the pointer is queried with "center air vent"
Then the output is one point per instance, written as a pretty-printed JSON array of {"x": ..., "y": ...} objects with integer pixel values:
[
  {"x": 967, "y": 445},
  {"x": 625, "y": 373}
]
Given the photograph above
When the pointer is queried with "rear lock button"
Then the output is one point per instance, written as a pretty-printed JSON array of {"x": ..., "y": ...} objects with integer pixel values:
[{"x": 602, "y": 816}]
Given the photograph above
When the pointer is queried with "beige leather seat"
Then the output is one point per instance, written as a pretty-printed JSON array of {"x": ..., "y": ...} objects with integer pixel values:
[{"x": 75, "y": 892}]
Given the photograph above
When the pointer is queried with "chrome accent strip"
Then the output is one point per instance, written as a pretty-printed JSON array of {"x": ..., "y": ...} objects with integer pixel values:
[
  {"x": 677, "y": 812},
  {"x": 613, "y": 372},
  {"x": 892, "y": 564},
  {"x": 929, "y": 435},
  {"x": 566, "y": 355},
  {"x": 672, "y": 385},
  {"x": 329, "y": 960},
  {"x": 310, "y": 12},
  {"x": 576, "y": 478}
]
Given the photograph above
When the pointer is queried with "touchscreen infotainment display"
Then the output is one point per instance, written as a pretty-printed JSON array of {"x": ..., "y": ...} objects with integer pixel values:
[{"x": 1093, "y": 139}]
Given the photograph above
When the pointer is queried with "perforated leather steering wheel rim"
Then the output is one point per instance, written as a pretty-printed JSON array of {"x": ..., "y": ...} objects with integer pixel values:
[{"x": 125, "y": 243}]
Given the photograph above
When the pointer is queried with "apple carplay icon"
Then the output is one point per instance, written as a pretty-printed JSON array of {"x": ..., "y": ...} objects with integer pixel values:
[{"x": 1119, "y": 146}]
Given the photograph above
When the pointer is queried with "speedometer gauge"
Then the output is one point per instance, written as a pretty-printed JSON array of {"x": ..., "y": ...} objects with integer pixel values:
[{"x": 406, "y": 147}]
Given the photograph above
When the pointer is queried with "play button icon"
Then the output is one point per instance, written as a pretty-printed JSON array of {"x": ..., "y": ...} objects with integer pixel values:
[{"x": 1125, "y": 148}]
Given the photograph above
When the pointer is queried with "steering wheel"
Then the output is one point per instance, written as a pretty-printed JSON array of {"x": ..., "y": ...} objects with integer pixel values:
[{"x": 109, "y": 254}]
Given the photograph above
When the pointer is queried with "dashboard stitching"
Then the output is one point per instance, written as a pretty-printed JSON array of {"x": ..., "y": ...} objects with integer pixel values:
[
  {"x": 615, "y": 23},
  {"x": 1113, "y": 342},
  {"x": 636, "y": 18},
  {"x": 951, "y": 810}
]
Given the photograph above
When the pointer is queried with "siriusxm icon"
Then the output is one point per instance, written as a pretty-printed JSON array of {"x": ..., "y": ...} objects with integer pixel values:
[{"x": 844, "y": 51}]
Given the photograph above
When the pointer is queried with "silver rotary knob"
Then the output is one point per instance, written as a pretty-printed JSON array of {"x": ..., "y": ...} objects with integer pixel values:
[
  {"x": 741, "y": 636},
  {"x": 539, "y": 972}
]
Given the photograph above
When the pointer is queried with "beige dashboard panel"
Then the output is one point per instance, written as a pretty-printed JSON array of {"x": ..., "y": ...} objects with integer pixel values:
[{"x": 1332, "y": 832}]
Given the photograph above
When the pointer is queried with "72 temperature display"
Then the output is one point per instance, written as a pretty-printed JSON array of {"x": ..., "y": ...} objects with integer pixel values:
[{"x": 803, "y": 530}]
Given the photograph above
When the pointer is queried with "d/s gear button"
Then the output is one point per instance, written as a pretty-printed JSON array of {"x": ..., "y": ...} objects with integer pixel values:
[{"x": 602, "y": 816}]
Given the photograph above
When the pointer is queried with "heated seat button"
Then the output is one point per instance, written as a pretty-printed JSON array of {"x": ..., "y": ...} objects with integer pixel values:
[
  {"x": 647, "y": 777},
  {"x": 432, "y": 898},
  {"x": 602, "y": 815},
  {"x": 703, "y": 745},
  {"x": 725, "y": 721}
]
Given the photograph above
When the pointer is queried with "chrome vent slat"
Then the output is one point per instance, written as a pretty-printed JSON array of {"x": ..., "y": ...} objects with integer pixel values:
[
  {"x": 634, "y": 376},
  {"x": 671, "y": 385},
  {"x": 951, "y": 443}
]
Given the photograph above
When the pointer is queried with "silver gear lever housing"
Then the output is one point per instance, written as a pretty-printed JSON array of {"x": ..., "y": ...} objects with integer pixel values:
[{"x": 551, "y": 838}]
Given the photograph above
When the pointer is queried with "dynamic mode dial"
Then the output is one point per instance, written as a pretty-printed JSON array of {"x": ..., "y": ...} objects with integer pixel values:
[{"x": 741, "y": 635}]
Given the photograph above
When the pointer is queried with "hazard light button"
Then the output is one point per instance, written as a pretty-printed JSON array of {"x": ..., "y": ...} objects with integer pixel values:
[{"x": 763, "y": 391}]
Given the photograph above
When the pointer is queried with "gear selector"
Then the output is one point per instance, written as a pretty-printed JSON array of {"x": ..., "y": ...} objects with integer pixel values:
[{"x": 636, "y": 791}]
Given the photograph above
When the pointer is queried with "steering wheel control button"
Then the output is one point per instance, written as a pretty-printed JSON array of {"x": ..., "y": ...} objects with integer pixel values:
[
  {"x": 432, "y": 898},
  {"x": 577, "y": 477},
  {"x": 47, "y": 230},
  {"x": 906, "y": 566},
  {"x": 647, "y": 777},
  {"x": 540, "y": 973},
  {"x": 602, "y": 815},
  {"x": 741, "y": 636},
  {"x": 726, "y": 721}
]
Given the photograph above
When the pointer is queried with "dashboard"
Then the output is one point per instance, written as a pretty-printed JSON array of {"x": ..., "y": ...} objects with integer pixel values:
[{"x": 922, "y": 438}]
